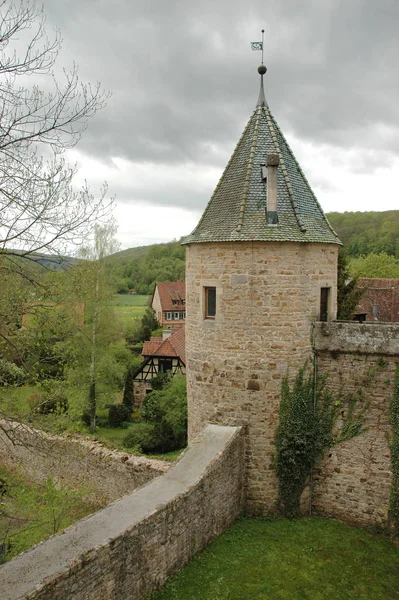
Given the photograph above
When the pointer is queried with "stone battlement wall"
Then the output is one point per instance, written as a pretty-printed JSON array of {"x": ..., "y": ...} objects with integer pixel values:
[
  {"x": 353, "y": 480},
  {"x": 76, "y": 461},
  {"x": 129, "y": 549}
]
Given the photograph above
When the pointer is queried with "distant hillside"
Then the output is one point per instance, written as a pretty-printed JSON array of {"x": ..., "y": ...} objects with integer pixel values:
[
  {"x": 52, "y": 262},
  {"x": 140, "y": 268},
  {"x": 364, "y": 233}
]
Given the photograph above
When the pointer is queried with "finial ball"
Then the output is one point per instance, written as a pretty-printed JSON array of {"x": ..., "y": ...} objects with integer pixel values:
[{"x": 262, "y": 69}]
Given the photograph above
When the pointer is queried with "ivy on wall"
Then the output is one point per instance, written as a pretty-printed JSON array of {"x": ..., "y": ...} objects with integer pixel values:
[
  {"x": 308, "y": 417},
  {"x": 393, "y": 512}
]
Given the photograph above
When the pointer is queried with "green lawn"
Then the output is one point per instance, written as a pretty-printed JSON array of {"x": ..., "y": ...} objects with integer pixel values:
[
  {"x": 316, "y": 559},
  {"x": 132, "y": 300},
  {"x": 129, "y": 306},
  {"x": 113, "y": 438}
]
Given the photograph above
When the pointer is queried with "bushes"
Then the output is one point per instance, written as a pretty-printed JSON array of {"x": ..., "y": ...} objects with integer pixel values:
[
  {"x": 118, "y": 413},
  {"x": 165, "y": 415},
  {"x": 51, "y": 398},
  {"x": 10, "y": 373},
  {"x": 142, "y": 437}
]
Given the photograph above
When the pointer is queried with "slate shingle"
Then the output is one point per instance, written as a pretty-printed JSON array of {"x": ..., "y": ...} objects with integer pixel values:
[{"x": 236, "y": 210}]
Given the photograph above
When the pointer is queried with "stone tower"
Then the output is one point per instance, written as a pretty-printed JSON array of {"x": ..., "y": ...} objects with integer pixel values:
[{"x": 261, "y": 265}]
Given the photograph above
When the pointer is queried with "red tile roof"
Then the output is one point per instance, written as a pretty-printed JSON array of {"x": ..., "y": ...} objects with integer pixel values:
[
  {"x": 169, "y": 291},
  {"x": 151, "y": 346},
  {"x": 174, "y": 345},
  {"x": 380, "y": 299},
  {"x": 178, "y": 342}
]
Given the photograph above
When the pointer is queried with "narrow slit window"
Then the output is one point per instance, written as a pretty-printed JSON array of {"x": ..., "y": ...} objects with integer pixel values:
[
  {"x": 210, "y": 302},
  {"x": 324, "y": 303}
]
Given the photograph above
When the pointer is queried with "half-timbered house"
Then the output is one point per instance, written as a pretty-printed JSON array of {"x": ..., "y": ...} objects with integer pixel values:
[{"x": 160, "y": 354}]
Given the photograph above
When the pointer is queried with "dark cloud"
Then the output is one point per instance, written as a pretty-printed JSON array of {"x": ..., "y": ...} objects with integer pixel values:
[{"x": 184, "y": 79}]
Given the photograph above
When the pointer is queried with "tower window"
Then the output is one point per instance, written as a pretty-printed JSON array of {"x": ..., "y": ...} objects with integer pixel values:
[
  {"x": 324, "y": 303},
  {"x": 210, "y": 302}
]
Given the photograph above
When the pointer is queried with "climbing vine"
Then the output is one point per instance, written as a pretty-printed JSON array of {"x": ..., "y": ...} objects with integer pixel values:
[
  {"x": 308, "y": 416},
  {"x": 393, "y": 513}
]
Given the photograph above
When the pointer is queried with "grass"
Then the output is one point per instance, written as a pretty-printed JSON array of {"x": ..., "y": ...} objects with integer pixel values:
[
  {"x": 129, "y": 306},
  {"x": 316, "y": 559},
  {"x": 14, "y": 402},
  {"x": 130, "y": 300},
  {"x": 32, "y": 512},
  {"x": 113, "y": 438}
]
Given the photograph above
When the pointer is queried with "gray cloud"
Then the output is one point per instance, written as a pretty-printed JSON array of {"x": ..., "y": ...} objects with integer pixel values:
[{"x": 184, "y": 79}]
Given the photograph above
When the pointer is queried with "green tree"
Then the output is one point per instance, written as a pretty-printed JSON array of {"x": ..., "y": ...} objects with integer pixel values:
[
  {"x": 104, "y": 243},
  {"x": 165, "y": 413},
  {"x": 348, "y": 293},
  {"x": 128, "y": 390},
  {"x": 375, "y": 265}
]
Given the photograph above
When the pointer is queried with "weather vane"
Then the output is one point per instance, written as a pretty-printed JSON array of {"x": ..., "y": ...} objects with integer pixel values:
[{"x": 258, "y": 45}]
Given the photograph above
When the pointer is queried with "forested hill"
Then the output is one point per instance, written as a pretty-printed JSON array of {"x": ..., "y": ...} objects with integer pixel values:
[
  {"x": 365, "y": 232},
  {"x": 362, "y": 233},
  {"x": 140, "y": 268}
]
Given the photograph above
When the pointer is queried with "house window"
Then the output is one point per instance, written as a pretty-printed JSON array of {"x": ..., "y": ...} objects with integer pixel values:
[
  {"x": 164, "y": 364},
  {"x": 324, "y": 303},
  {"x": 175, "y": 316},
  {"x": 174, "y": 302},
  {"x": 210, "y": 302}
]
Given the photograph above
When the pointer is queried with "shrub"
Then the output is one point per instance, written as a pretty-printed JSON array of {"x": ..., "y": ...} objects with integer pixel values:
[
  {"x": 150, "y": 409},
  {"x": 118, "y": 413},
  {"x": 160, "y": 380},
  {"x": 51, "y": 399},
  {"x": 167, "y": 410},
  {"x": 143, "y": 436},
  {"x": 85, "y": 417},
  {"x": 10, "y": 374}
]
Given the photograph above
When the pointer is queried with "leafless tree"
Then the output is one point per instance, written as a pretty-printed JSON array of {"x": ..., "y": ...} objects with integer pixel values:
[
  {"x": 39, "y": 208},
  {"x": 41, "y": 116}
]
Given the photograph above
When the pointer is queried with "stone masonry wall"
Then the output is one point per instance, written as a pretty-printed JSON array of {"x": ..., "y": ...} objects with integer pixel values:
[
  {"x": 267, "y": 295},
  {"x": 353, "y": 480},
  {"x": 104, "y": 474},
  {"x": 130, "y": 548}
]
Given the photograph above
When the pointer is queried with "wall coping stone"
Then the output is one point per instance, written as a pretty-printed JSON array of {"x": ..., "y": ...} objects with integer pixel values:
[
  {"x": 54, "y": 557},
  {"x": 355, "y": 337},
  {"x": 41, "y": 441}
]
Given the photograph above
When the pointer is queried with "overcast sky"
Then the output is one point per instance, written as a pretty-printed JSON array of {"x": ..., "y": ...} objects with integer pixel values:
[{"x": 184, "y": 83}]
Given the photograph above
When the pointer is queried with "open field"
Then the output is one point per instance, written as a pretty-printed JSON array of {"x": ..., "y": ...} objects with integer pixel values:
[
  {"x": 129, "y": 306},
  {"x": 273, "y": 559}
]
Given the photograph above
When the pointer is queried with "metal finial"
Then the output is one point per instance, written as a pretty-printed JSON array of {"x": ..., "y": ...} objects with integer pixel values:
[
  {"x": 261, "y": 70},
  {"x": 263, "y": 33}
]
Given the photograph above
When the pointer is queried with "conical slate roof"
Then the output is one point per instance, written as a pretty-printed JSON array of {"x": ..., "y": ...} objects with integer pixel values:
[{"x": 236, "y": 210}]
